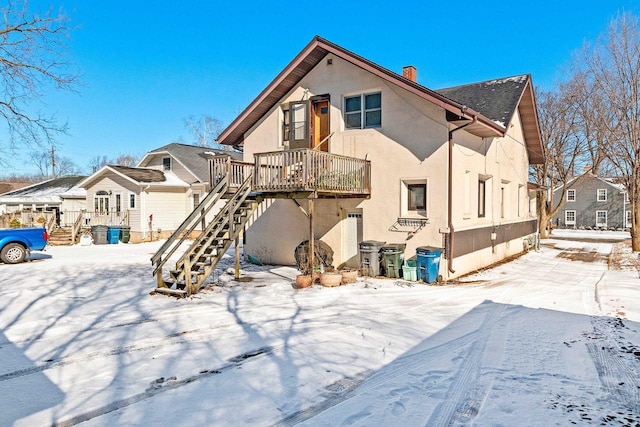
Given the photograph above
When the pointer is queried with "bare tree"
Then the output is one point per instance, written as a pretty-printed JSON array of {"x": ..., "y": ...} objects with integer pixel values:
[
  {"x": 564, "y": 148},
  {"x": 612, "y": 69},
  {"x": 98, "y": 162},
  {"x": 52, "y": 167},
  {"x": 126, "y": 160},
  {"x": 33, "y": 58},
  {"x": 205, "y": 130}
]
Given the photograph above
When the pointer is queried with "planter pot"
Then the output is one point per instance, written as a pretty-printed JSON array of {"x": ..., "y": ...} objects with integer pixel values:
[
  {"x": 330, "y": 279},
  {"x": 304, "y": 280},
  {"x": 349, "y": 276}
]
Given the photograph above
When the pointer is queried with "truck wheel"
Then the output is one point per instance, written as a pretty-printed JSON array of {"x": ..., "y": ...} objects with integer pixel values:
[{"x": 13, "y": 253}]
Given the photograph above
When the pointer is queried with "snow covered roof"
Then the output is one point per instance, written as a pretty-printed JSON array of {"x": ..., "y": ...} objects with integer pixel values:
[{"x": 51, "y": 191}]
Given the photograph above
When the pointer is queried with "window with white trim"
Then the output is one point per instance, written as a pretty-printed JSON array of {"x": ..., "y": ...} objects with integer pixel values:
[
  {"x": 482, "y": 193},
  {"x": 601, "y": 218},
  {"x": 571, "y": 195},
  {"x": 132, "y": 200},
  {"x": 363, "y": 111},
  {"x": 628, "y": 219},
  {"x": 414, "y": 197},
  {"x": 602, "y": 194},
  {"x": 569, "y": 217}
]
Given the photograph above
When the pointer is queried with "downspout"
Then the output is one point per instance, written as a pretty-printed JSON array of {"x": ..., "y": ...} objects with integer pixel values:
[{"x": 450, "y": 195}]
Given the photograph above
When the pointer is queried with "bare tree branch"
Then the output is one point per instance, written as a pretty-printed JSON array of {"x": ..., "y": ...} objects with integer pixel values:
[{"x": 33, "y": 60}]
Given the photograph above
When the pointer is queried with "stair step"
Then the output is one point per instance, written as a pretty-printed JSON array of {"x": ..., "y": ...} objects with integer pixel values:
[{"x": 169, "y": 291}]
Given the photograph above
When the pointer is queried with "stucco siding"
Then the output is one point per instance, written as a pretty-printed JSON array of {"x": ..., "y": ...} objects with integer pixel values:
[{"x": 409, "y": 147}]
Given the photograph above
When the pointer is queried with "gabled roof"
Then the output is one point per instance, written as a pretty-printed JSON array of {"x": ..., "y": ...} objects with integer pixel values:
[
  {"x": 192, "y": 157},
  {"x": 479, "y": 124},
  {"x": 589, "y": 174},
  {"x": 140, "y": 175},
  {"x": 499, "y": 100},
  {"x": 137, "y": 176}
]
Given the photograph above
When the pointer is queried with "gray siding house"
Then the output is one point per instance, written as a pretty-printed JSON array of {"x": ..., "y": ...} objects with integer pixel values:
[{"x": 592, "y": 203}]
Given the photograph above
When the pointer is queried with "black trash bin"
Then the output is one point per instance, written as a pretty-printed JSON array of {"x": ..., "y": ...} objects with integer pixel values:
[
  {"x": 370, "y": 257},
  {"x": 392, "y": 259},
  {"x": 99, "y": 234},
  {"x": 125, "y": 233}
]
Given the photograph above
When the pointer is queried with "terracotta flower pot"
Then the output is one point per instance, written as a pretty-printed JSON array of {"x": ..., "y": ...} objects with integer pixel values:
[
  {"x": 330, "y": 279},
  {"x": 349, "y": 276},
  {"x": 304, "y": 280}
]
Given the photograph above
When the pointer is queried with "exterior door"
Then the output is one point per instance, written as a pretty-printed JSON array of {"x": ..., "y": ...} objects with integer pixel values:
[
  {"x": 321, "y": 125},
  {"x": 353, "y": 237}
]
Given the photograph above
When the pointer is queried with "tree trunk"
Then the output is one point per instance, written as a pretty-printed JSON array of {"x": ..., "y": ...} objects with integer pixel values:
[{"x": 543, "y": 215}]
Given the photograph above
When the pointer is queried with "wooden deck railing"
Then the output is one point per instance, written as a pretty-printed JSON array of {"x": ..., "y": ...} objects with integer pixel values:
[
  {"x": 236, "y": 171},
  {"x": 309, "y": 170}
]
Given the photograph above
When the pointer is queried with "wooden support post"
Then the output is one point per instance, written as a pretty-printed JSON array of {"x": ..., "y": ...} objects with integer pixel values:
[
  {"x": 311, "y": 236},
  {"x": 237, "y": 254},
  {"x": 160, "y": 280},
  {"x": 187, "y": 275}
]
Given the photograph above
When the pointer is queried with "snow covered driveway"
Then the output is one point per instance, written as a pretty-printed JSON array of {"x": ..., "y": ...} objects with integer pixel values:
[{"x": 552, "y": 338}]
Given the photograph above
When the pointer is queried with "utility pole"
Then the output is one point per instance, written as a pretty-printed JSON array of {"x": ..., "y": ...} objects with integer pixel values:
[{"x": 53, "y": 162}]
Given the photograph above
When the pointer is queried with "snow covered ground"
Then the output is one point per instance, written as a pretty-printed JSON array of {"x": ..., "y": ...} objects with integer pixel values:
[{"x": 551, "y": 338}]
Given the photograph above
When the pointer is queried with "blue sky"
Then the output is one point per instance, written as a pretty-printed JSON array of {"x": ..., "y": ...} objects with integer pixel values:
[{"x": 147, "y": 65}]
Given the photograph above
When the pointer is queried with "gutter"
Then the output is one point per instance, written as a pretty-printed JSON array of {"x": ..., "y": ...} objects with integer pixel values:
[{"x": 450, "y": 195}]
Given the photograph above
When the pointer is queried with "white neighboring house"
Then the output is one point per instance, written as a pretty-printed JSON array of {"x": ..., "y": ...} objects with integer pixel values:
[
  {"x": 154, "y": 197},
  {"x": 43, "y": 199}
]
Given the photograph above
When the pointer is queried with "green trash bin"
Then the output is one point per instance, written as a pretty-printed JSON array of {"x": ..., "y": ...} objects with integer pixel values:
[
  {"x": 125, "y": 232},
  {"x": 392, "y": 259}
]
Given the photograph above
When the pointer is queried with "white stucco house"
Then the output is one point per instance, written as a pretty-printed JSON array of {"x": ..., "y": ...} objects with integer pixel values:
[{"x": 448, "y": 167}]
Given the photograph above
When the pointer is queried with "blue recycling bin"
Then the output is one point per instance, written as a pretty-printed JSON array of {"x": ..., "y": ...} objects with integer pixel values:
[
  {"x": 113, "y": 234},
  {"x": 428, "y": 259}
]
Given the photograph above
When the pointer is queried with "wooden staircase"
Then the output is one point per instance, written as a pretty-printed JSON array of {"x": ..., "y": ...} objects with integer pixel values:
[
  {"x": 61, "y": 237},
  {"x": 195, "y": 265}
]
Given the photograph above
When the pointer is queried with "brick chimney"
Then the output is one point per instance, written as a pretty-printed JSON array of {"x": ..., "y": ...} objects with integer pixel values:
[{"x": 410, "y": 72}]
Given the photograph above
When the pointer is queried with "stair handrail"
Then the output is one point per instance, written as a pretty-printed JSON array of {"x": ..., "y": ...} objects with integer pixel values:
[
  {"x": 77, "y": 224},
  {"x": 209, "y": 201},
  {"x": 227, "y": 210}
]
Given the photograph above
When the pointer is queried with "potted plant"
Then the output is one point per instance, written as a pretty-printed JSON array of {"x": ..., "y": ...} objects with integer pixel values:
[
  {"x": 330, "y": 279},
  {"x": 304, "y": 280}
]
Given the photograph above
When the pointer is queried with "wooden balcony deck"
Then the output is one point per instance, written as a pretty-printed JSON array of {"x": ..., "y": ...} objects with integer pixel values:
[{"x": 299, "y": 173}]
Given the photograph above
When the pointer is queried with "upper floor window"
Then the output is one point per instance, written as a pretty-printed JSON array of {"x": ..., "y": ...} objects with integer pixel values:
[
  {"x": 571, "y": 195},
  {"x": 602, "y": 194},
  {"x": 363, "y": 111},
  {"x": 166, "y": 163}
]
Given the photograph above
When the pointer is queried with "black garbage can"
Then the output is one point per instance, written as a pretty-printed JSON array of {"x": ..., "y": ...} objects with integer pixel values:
[
  {"x": 370, "y": 257},
  {"x": 99, "y": 234},
  {"x": 392, "y": 259},
  {"x": 125, "y": 232}
]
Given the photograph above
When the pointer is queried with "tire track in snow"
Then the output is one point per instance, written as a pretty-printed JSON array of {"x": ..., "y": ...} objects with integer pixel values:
[
  {"x": 161, "y": 386},
  {"x": 617, "y": 375},
  {"x": 352, "y": 387}
]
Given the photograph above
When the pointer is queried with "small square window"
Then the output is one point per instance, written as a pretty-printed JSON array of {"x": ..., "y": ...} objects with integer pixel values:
[{"x": 417, "y": 197}]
